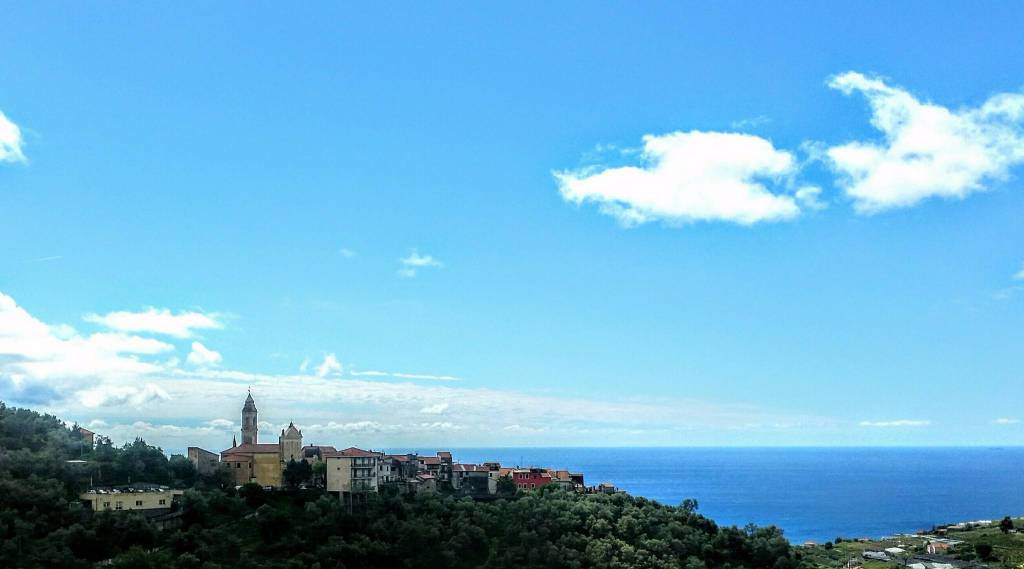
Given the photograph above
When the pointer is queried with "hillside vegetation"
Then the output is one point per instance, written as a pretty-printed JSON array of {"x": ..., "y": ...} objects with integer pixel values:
[{"x": 43, "y": 525}]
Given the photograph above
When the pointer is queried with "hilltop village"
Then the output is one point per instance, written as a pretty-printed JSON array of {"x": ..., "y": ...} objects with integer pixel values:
[{"x": 354, "y": 470}]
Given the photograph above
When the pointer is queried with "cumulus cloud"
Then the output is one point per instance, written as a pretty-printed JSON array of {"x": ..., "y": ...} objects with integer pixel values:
[
  {"x": 329, "y": 366},
  {"x": 896, "y": 423},
  {"x": 203, "y": 356},
  {"x": 927, "y": 150},
  {"x": 11, "y": 141},
  {"x": 691, "y": 176},
  {"x": 221, "y": 424},
  {"x": 115, "y": 395},
  {"x": 157, "y": 321},
  {"x": 414, "y": 261},
  {"x": 435, "y": 409},
  {"x": 32, "y": 352}
]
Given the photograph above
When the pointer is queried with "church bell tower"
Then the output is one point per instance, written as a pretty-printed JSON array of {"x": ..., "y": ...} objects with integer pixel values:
[{"x": 249, "y": 421}]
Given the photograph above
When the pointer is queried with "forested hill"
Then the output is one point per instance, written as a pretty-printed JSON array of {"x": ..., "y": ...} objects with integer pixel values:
[{"x": 42, "y": 524}]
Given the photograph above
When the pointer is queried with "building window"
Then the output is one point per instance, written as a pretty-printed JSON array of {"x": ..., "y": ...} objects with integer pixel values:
[
  {"x": 138, "y": 503},
  {"x": 119, "y": 505},
  {"x": 106, "y": 505}
]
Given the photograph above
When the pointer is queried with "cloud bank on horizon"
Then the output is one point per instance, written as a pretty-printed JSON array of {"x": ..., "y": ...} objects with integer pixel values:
[
  {"x": 111, "y": 380},
  {"x": 926, "y": 151}
]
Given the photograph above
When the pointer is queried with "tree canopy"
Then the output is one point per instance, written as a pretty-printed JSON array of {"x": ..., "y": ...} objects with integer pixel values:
[{"x": 42, "y": 525}]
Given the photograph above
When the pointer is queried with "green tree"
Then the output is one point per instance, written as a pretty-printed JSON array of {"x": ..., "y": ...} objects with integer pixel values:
[
  {"x": 297, "y": 473},
  {"x": 182, "y": 471},
  {"x": 505, "y": 486},
  {"x": 1006, "y": 525}
]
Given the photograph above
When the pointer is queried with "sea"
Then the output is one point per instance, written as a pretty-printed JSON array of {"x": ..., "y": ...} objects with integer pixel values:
[{"x": 810, "y": 493}]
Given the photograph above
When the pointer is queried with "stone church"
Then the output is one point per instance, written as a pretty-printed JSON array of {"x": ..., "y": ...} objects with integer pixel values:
[{"x": 264, "y": 463}]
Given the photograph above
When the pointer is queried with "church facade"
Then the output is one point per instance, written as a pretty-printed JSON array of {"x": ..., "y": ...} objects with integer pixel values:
[{"x": 264, "y": 463}]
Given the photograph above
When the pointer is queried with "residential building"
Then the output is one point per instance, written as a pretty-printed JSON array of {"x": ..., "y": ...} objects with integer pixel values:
[
  {"x": 531, "y": 478},
  {"x": 88, "y": 437},
  {"x": 352, "y": 470},
  {"x": 156, "y": 499},
  {"x": 471, "y": 479},
  {"x": 403, "y": 466}
]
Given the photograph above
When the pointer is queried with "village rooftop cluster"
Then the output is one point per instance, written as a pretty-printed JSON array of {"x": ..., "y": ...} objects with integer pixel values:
[{"x": 349, "y": 471}]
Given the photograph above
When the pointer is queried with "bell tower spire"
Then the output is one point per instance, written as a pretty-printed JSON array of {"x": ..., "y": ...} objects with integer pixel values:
[{"x": 249, "y": 420}]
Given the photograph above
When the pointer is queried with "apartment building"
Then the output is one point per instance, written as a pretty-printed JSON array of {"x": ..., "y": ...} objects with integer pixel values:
[{"x": 352, "y": 470}]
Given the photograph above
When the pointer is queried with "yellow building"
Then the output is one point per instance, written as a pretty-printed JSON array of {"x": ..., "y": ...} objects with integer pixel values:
[
  {"x": 264, "y": 463},
  {"x": 254, "y": 462},
  {"x": 352, "y": 470},
  {"x": 118, "y": 499}
]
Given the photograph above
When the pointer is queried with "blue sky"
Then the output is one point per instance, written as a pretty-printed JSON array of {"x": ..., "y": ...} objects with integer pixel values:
[{"x": 467, "y": 193}]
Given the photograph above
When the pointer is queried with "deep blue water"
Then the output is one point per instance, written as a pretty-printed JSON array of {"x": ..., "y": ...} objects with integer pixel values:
[{"x": 811, "y": 493}]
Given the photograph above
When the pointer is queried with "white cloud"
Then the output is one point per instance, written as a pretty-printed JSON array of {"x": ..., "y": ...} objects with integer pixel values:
[
  {"x": 1006, "y": 421},
  {"x": 129, "y": 393},
  {"x": 426, "y": 376},
  {"x": 753, "y": 122},
  {"x": 115, "y": 395},
  {"x": 928, "y": 150},
  {"x": 203, "y": 356},
  {"x": 369, "y": 373},
  {"x": 1019, "y": 275},
  {"x": 38, "y": 357},
  {"x": 691, "y": 176},
  {"x": 11, "y": 141},
  {"x": 157, "y": 321},
  {"x": 414, "y": 261},
  {"x": 329, "y": 366},
  {"x": 809, "y": 197},
  {"x": 346, "y": 253},
  {"x": 896, "y": 423},
  {"x": 523, "y": 430},
  {"x": 435, "y": 409},
  {"x": 304, "y": 366}
]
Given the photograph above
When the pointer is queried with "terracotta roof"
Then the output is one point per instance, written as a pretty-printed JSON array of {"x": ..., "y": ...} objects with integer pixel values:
[
  {"x": 469, "y": 468},
  {"x": 430, "y": 460},
  {"x": 351, "y": 451},
  {"x": 444, "y": 454},
  {"x": 249, "y": 448},
  {"x": 398, "y": 457}
]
